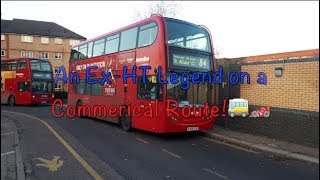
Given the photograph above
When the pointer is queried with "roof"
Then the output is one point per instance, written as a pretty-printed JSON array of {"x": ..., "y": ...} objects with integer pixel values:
[{"x": 40, "y": 28}]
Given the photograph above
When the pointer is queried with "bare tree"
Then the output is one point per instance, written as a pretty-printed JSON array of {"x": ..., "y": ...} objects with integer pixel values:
[{"x": 165, "y": 8}]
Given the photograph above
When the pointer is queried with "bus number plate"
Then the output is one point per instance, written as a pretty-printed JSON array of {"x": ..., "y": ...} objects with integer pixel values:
[
  {"x": 43, "y": 102},
  {"x": 192, "y": 128}
]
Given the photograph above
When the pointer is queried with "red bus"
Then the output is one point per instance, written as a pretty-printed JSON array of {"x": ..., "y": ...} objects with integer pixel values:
[
  {"x": 175, "y": 45},
  {"x": 26, "y": 81}
]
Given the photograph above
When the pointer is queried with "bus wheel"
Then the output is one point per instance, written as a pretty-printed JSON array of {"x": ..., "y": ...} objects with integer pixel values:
[
  {"x": 243, "y": 114},
  {"x": 79, "y": 103},
  {"x": 231, "y": 114},
  {"x": 125, "y": 121},
  {"x": 11, "y": 101}
]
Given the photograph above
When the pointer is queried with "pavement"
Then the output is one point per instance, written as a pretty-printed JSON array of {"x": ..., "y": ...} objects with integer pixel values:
[
  {"x": 11, "y": 159},
  {"x": 271, "y": 146},
  {"x": 84, "y": 148}
]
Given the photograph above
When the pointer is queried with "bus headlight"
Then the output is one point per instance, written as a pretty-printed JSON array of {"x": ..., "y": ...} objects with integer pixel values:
[
  {"x": 53, "y": 95},
  {"x": 33, "y": 96}
]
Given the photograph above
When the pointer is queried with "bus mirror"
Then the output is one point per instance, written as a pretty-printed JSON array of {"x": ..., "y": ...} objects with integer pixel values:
[
  {"x": 20, "y": 90},
  {"x": 154, "y": 79}
]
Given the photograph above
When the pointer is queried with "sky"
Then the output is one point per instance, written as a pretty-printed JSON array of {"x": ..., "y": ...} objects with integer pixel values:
[{"x": 239, "y": 29}]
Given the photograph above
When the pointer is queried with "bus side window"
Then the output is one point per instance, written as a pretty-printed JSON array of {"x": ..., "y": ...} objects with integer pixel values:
[
  {"x": 81, "y": 87},
  {"x": 112, "y": 44},
  {"x": 96, "y": 89},
  {"x": 83, "y": 50},
  {"x": 74, "y": 53},
  {"x": 22, "y": 64},
  {"x": 128, "y": 39},
  {"x": 23, "y": 86},
  {"x": 147, "y": 34},
  {"x": 4, "y": 66}
]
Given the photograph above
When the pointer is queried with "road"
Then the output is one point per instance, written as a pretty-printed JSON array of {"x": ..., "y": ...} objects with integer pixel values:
[{"x": 115, "y": 154}]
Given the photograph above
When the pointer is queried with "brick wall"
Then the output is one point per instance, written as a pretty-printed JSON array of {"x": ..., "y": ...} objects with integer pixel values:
[
  {"x": 298, "y": 88},
  {"x": 13, "y": 46},
  {"x": 294, "y": 100}
]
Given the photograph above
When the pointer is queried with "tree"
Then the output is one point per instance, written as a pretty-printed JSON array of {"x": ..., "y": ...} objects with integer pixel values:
[{"x": 164, "y": 8}]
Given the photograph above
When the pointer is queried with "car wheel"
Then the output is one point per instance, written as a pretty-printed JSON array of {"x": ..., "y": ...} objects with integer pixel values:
[
  {"x": 266, "y": 114},
  {"x": 11, "y": 101}
]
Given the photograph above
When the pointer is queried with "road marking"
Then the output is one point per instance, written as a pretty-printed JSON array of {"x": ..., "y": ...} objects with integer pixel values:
[
  {"x": 142, "y": 140},
  {"x": 230, "y": 145},
  {"x": 52, "y": 165},
  {"x": 121, "y": 131},
  {"x": 6, "y": 133},
  {"x": 4, "y": 124},
  {"x": 172, "y": 154},
  {"x": 215, "y": 173},
  {"x": 67, "y": 146},
  {"x": 10, "y": 152}
]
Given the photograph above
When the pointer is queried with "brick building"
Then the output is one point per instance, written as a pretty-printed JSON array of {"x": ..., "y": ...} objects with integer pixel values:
[
  {"x": 38, "y": 39},
  {"x": 293, "y": 96}
]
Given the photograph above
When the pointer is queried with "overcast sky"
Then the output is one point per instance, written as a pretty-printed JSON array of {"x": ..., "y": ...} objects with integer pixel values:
[{"x": 238, "y": 28}]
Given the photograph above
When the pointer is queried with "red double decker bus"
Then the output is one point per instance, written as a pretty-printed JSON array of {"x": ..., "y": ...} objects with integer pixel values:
[
  {"x": 176, "y": 46},
  {"x": 26, "y": 81}
]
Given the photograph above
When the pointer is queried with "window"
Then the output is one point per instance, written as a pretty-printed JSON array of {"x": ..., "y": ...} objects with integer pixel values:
[
  {"x": 74, "y": 53},
  {"x": 57, "y": 40},
  {"x": 147, "y": 34},
  {"x": 44, "y": 40},
  {"x": 83, "y": 50},
  {"x": 24, "y": 86},
  {"x": 3, "y": 37},
  {"x": 12, "y": 65},
  {"x": 112, "y": 44},
  {"x": 4, "y": 66},
  {"x": 3, "y": 52},
  {"x": 96, "y": 89},
  {"x": 185, "y": 35},
  {"x": 79, "y": 88},
  {"x": 74, "y": 42},
  {"x": 40, "y": 65},
  {"x": 128, "y": 39},
  {"x": 58, "y": 86},
  {"x": 58, "y": 56},
  {"x": 149, "y": 90},
  {"x": 232, "y": 105},
  {"x": 90, "y": 46},
  {"x": 98, "y": 48},
  {"x": 44, "y": 55},
  {"x": 26, "y": 54},
  {"x": 27, "y": 39},
  {"x": 22, "y": 64}
]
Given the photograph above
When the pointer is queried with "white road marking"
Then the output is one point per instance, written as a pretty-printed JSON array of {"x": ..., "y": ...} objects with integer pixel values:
[
  {"x": 142, "y": 140},
  {"x": 7, "y": 153},
  {"x": 4, "y": 124},
  {"x": 233, "y": 146},
  {"x": 6, "y": 133},
  {"x": 215, "y": 173},
  {"x": 172, "y": 154}
]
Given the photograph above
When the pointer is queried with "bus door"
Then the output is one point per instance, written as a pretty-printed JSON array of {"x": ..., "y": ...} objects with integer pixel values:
[
  {"x": 23, "y": 92},
  {"x": 150, "y": 99}
]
